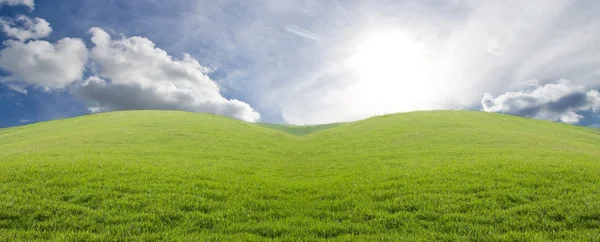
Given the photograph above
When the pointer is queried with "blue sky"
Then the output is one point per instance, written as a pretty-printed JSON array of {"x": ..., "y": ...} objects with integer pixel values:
[{"x": 300, "y": 61}]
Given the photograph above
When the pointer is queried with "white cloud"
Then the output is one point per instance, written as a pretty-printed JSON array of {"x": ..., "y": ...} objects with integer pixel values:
[
  {"x": 25, "y": 28},
  {"x": 556, "y": 102},
  {"x": 142, "y": 76},
  {"x": 42, "y": 63},
  {"x": 28, "y": 3}
]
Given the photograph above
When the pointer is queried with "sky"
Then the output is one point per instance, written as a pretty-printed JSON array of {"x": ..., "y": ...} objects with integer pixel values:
[{"x": 300, "y": 61}]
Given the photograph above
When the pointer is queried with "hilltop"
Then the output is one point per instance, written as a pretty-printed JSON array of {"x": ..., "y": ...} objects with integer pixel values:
[{"x": 166, "y": 175}]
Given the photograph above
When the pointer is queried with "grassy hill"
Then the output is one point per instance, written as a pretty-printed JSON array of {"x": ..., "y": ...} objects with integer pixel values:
[{"x": 157, "y": 175}]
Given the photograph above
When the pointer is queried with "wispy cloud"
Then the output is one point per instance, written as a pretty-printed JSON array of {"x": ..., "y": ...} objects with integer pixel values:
[
  {"x": 444, "y": 55},
  {"x": 302, "y": 32}
]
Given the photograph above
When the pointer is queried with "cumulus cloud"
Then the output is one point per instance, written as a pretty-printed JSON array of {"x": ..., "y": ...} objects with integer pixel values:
[
  {"x": 134, "y": 74},
  {"x": 28, "y": 3},
  {"x": 24, "y": 28},
  {"x": 44, "y": 64},
  {"x": 561, "y": 101}
]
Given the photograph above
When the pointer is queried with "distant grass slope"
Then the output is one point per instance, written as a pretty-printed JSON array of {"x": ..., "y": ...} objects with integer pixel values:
[
  {"x": 155, "y": 175},
  {"x": 299, "y": 130}
]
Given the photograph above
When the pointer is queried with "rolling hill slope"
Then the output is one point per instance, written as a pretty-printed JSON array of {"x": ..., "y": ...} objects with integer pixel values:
[{"x": 161, "y": 175}]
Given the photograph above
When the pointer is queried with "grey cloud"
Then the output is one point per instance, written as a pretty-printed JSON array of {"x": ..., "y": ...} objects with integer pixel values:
[
  {"x": 562, "y": 101},
  {"x": 122, "y": 97},
  {"x": 102, "y": 96}
]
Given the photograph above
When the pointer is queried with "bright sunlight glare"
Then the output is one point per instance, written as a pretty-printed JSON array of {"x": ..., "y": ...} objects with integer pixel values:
[{"x": 390, "y": 64}]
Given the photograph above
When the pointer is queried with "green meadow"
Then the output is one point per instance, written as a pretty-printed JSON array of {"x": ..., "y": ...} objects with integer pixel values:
[{"x": 422, "y": 176}]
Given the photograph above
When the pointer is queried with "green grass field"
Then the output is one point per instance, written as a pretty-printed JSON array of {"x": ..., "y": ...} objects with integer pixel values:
[{"x": 159, "y": 175}]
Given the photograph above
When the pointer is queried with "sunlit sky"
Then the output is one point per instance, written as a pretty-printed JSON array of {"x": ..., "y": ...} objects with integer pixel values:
[{"x": 300, "y": 61}]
